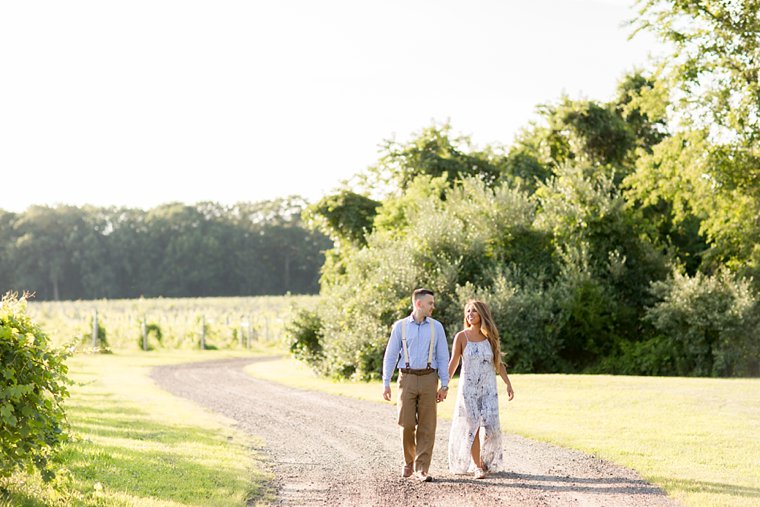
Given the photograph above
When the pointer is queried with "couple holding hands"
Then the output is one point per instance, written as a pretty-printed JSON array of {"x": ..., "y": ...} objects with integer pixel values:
[{"x": 418, "y": 346}]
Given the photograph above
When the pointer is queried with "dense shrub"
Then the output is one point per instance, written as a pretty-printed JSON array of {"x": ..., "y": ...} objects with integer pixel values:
[
  {"x": 651, "y": 356},
  {"x": 527, "y": 313},
  {"x": 33, "y": 384},
  {"x": 708, "y": 323},
  {"x": 305, "y": 333}
]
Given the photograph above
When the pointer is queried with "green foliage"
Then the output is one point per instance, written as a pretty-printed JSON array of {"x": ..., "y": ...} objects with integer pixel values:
[
  {"x": 652, "y": 356},
  {"x": 527, "y": 313},
  {"x": 712, "y": 170},
  {"x": 305, "y": 335},
  {"x": 33, "y": 385},
  {"x": 714, "y": 63},
  {"x": 434, "y": 152},
  {"x": 45, "y": 242},
  {"x": 396, "y": 211},
  {"x": 564, "y": 268},
  {"x": 524, "y": 168},
  {"x": 598, "y": 133},
  {"x": 594, "y": 227},
  {"x": 684, "y": 184},
  {"x": 641, "y": 102},
  {"x": 206, "y": 335},
  {"x": 711, "y": 323},
  {"x": 579, "y": 133},
  {"x": 566, "y": 277},
  {"x": 345, "y": 216},
  {"x": 664, "y": 189},
  {"x": 150, "y": 329}
]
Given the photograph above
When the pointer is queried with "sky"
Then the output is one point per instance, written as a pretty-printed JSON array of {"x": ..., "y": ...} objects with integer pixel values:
[{"x": 142, "y": 103}]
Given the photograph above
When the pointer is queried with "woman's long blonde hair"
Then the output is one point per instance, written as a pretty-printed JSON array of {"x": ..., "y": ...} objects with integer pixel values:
[{"x": 488, "y": 328}]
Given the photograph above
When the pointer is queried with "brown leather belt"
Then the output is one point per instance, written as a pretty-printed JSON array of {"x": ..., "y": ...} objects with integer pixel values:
[{"x": 421, "y": 371}]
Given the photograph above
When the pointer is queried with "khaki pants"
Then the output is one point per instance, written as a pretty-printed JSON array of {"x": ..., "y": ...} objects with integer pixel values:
[{"x": 417, "y": 417}]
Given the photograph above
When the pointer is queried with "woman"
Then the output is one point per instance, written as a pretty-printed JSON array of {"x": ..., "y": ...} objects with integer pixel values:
[{"x": 475, "y": 438}]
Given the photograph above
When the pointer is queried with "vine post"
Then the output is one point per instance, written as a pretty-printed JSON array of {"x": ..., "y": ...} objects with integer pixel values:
[
  {"x": 145, "y": 333},
  {"x": 95, "y": 329},
  {"x": 203, "y": 332}
]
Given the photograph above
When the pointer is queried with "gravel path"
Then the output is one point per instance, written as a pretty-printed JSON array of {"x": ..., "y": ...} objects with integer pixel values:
[{"x": 329, "y": 450}]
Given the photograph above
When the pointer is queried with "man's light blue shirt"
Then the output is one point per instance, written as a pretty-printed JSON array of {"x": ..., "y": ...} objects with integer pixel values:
[{"x": 418, "y": 345}]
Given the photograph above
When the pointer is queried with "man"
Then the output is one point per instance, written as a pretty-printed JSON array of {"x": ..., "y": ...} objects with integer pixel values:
[{"x": 419, "y": 359}]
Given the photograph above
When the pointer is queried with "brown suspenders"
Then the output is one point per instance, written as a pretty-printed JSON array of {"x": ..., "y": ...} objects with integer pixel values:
[{"x": 432, "y": 343}]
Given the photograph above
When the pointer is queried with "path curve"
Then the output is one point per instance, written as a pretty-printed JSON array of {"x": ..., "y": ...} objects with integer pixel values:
[{"x": 333, "y": 450}]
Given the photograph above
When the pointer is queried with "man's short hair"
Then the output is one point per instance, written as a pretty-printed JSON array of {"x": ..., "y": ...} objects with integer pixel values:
[{"x": 419, "y": 293}]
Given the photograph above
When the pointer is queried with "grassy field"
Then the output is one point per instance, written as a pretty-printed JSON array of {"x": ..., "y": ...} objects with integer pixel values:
[
  {"x": 136, "y": 445},
  {"x": 696, "y": 438},
  {"x": 229, "y": 322}
]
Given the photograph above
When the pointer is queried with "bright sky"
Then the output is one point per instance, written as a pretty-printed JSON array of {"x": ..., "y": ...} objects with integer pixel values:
[{"x": 140, "y": 103}]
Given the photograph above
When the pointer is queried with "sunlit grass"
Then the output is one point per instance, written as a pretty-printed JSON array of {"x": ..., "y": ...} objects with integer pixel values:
[
  {"x": 136, "y": 445},
  {"x": 699, "y": 439}
]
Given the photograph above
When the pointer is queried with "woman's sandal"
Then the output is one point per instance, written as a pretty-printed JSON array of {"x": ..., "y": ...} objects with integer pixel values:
[{"x": 481, "y": 471}]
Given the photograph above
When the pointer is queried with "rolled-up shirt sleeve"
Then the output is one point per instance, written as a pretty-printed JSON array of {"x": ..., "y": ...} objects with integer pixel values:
[{"x": 392, "y": 354}]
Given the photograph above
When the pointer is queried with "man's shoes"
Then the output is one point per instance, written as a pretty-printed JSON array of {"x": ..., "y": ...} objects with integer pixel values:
[
  {"x": 423, "y": 477},
  {"x": 406, "y": 471}
]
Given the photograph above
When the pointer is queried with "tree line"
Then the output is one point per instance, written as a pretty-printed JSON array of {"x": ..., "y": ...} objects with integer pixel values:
[
  {"x": 172, "y": 250},
  {"x": 618, "y": 236}
]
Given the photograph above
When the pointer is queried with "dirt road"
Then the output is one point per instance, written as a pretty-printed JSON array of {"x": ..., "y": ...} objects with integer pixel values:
[{"x": 328, "y": 450}]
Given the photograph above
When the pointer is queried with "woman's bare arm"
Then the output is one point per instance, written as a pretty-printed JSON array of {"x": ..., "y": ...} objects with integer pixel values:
[
  {"x": 505, "y": 378},
  {"x": 456, "y": 354}
]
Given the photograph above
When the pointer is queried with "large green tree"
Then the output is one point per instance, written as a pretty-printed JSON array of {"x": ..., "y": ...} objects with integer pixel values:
[
  {"x": 711, "y": 168},
  {"x": 714, "y": 64},
  {"x": 346, "y": 216},
  {"x": 435, "y": 151},
  {"x": 45, "y": 248},
  {"x": 604, "y": 136}
]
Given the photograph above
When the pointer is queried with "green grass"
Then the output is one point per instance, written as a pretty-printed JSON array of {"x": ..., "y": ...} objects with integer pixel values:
[
  {"x": 136, "y": 445},
  {"x": 699, "y": 439}
]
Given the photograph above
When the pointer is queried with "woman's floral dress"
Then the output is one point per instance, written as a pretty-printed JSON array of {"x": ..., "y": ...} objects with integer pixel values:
[{"x": 477, "y": 406}]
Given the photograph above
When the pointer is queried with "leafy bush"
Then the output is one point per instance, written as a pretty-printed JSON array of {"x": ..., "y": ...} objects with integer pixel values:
[
  {"x": 652, "y": 356},
  {"x": 709, "y": 322},
  {"x": 33, "y": 385},
  {"x": 528, "y": 315},
  {"x": 305, "y": 335}
]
